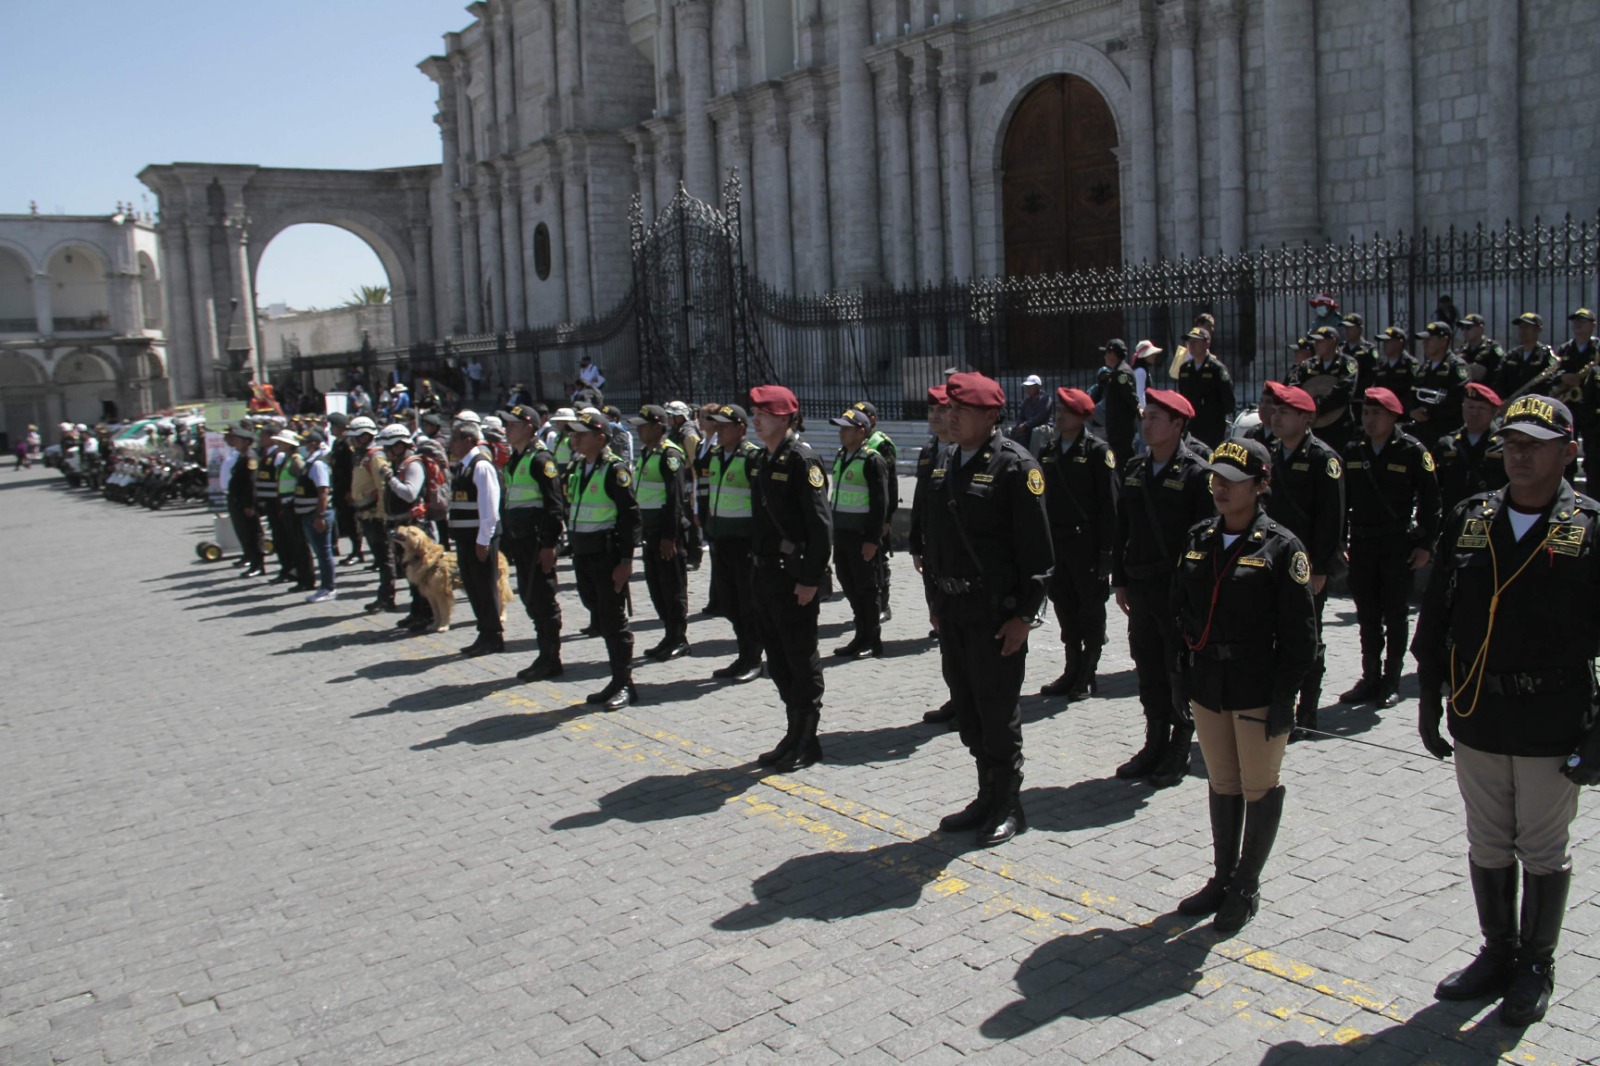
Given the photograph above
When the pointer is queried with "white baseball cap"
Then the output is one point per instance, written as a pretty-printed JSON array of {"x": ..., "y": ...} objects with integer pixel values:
[{"x": 1032, "y": 379}]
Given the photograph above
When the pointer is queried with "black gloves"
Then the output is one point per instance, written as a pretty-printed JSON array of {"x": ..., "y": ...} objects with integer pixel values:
[{"x": 1430, "y": 710}]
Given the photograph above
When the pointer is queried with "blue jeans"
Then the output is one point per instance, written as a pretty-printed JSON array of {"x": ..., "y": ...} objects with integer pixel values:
[{"x": 321, "y": 546}]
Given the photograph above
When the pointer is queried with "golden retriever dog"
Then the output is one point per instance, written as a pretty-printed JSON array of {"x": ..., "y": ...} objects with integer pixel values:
[{"x": 433, "y": 571}]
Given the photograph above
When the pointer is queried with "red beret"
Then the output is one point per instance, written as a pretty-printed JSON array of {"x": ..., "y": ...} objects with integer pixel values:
[
  {"x": 975, "y": 390},
  {"x": 774, "y": 399},
  {"x": 937, "y": 396},
  {"x": 1075, "y": 400},
  {"x": 1383, "y": 398},
  {"x": 1477, "y": 390},
  {"x": 1172, "y": 401},
  {"x": 1291, "y": 396}
]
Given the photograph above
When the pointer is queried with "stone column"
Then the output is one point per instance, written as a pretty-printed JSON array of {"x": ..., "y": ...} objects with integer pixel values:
[
  {"x": 958, "y": 165},
  {"x": 666, "y": 57},
  {"x": 181, "y": 347},
  {"x": 772, "y": 208},
  {"x": 204, "y": 298},
  {"x": 569, "y": 49},
  {"x": 930, "y": 206},
  {"x": 859, "y": 259},
  {"x": 425, "y": 303},
  {"x": 901, "y": 216},
  {"x": 491, "y": 62},
  {"x": 555, "y": 301},
  {"x": 1289, "y": 37},
  {"x": 741, "y": 147},
  {"x": 1503, "y": 167},
  {"x": 1177, "y": 27},
  {"x": 699, "y": 154},
  {"x": 514, "y": 249},
  {"x": 244, "y": 314},
  {"x": 552, "y": 66},
  {"x": 1399, "y": 115},
  {"x": 447, "y": 119},
  {"x": 1144, "y": 243},
  {"x": 644, "y": 175},
  {"x": 492, "y": 288},
  {"x": 41, "y": 304},
  {"x": 505, "y": 80},
  {"x": 472, "y": 291},
  {"x": 1226, "y": 22},
  {"x": 818, "y": 275},
  {"x": 575, "y": 205}
]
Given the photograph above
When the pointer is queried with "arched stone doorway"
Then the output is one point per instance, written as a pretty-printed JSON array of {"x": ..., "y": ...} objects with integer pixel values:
[
  {"x": 1062, "y": 210},
  {"x": 89, "y": 390},
  {"x": 22, "y": 396}
]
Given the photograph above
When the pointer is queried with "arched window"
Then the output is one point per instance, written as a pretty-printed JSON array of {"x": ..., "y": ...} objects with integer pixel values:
[
  {"x": 149, "y": 291},
  {"x": 78, "y": 294},
  {"x": 541, "y": 251},
  {"x": 16, "y": 295}
]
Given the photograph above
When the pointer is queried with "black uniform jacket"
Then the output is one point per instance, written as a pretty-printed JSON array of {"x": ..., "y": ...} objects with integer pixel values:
[
  {"x": 926, "y": 460},
  {"x": 1449, "y": 379},
  {"x": 1343, "y": 372},
  {"x": 1519, "y": 367},
  {"x": 987, "y": 525},
  {"x": 1486, "y": 354},
  {"x": 1519, "y": 684},
  {"x": 1391, "y": 492},
  {"x": 624, "y": 537},
  {"x": 1209, "y": 387},
  {"x": 1247, "y": 618},
  {"x": 1308, "y": 498},
  {"x": 542, "y": 524},
  {"x": 1080, "y": 496},
  {"x": 242, "y": 482},
  {"x": 789, "y": 495},
  {"x": 1466, "y": 469},
  {"x": 672, "y": 467},
  {"x": 1155, "y": 513},
  {"x": 1122, "y": 402},
  {"x": 1399, "y": 377}
]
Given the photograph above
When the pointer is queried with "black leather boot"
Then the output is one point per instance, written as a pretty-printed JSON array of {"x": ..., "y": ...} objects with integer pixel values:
[
  {"x": 1488, "y": 975},
  {"x": 1062, "y": 686},
  {"x": 1243, "y": 897},
  {"x": 1085, "y": 684},
  {"x": 617, "y": 695},
  {"x": 945, "y": 713},
  {"x": 1155, "y": 742},
  {"x": 807, "y": 748},
  {"x": 1006, "y": 818},
  {"x": 786, "y": 745},
  {"x": 1175, "y": 759},
  {"x": 1544, "y": 906},
  {"x": 1227, "y": 826},
  {"x": 973, "y": 814}
]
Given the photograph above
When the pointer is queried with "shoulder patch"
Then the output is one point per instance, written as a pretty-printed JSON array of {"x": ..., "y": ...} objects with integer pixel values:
[
  {"x": 253, "y": 464},
  {"x": 814, "y": 475},
  {"x": 550, "y": 469},
  {"x": 1333, "y": 468},
  {"x": 1036, "y": 482},
  {"x": 1300, "y": 568},
  {"x": 1427, "y": 462},
  {"x": 623, "y": 477},
  {"x": 1111, "y": 460},
  {"x": 673, "y": 463}
]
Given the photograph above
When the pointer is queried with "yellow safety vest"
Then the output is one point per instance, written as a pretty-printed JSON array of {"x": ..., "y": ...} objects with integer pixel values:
[
  {"x": 593, "y": 509},
  {"x": 651, "y": 479},
  {"x": 852, "y": 497},
  {"x": 730, "y": 512},
  {"x": 522, "y": 487}
]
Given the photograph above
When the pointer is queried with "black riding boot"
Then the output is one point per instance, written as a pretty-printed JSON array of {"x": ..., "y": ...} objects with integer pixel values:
[
  {"x": 807, "y": 748},
  {"x": 1156, "y": 732},
  {"x": 1084, "y": 683},
  {"x": 1063, "y": 685},
  {"x": 1243, "y": 898},
  {"x": 973, "y": 814},
  {"x": 1006, "y": 818},
  {"x": 786, "y": 745},
  {"x": 1488, "y": 975},
  {"x": 1544, "y": 905},
  {"x": 620, "y": 692},
  {"x": 1175, "y": 758},
  {"x": 1227, "y": 826}
]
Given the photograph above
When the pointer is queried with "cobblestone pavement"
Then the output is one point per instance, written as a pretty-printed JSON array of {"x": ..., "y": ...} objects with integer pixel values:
[{"x": 238, "y": 828}]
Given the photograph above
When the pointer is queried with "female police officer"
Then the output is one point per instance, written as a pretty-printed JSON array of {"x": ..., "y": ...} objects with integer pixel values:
[{"x": 1242, "y": 596}]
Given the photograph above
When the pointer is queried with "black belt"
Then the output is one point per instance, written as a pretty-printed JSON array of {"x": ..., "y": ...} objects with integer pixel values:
[
  {"x": 957, "y": 586},
  {"x": 1536, "y": 682},
  {"x": 1382, "y": 529},
  {"x": 1144, "y": 571},
  {"x": 1228, "y": 652}
]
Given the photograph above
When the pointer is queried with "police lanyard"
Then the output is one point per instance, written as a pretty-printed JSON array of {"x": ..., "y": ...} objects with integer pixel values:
[
  {"x": 1480, "y": 661},
  {"x": 1217, "y": 574}
]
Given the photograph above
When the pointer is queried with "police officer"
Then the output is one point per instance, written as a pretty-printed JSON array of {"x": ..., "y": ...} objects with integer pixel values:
[
  {"x": 1442, "y": 377},
  {"x": 729, "y": 525},
  {"x": 684, "y": 431},
  {"x": 1527, "y": 363},
  {"x": 1357, "y": 347},
  {"x": 1123, "y": 403},
  {"x": 927, "y": 462},
  {"x": 1080, "y": 483},
  {"x": 1395, "y": 368},
  {"x": 242, "y": 511},
  {"x": 859, "y": 502},
  {"x": 700, "y": 459},
  {"x": 789, "y": 562},
  {"x": 604, "y": 531},
  {"x": 403, "y": 490},
  {"x": 1307, "y": 499},
  {"x": 369, "y": 470},
  {"x": 287, "y": 466},
  {"x": 661, "y": 483},
  {"x": 1578, "y": 372},
  {"x": 1330, "y": 377},
  {"x": 1521, "y": 704},
  {"x": 989, "y": 558},
  {"x": 1482, "y": 355},
  {"x": 266, "y": 497},
  {"x": 475, "y": 528},
  {"x": 1206, "y": 384},
  {"x": 533, "y": 517},
  {"x": 341, "y": 465},
  {"x": 1242, "y": 597},
  {"x": 880, "y": 443},
  {"x": 1392, "y": 507},
  {"x": 1470, "y": 460},
  {"x": 313, "y": 509}
]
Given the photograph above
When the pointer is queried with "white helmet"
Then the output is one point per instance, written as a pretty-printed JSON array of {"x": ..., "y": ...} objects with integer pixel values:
[
  {"x": 394, "y": 433},
  {"x": 469, "y": 416},
  {"x": 361, "y": 424}
]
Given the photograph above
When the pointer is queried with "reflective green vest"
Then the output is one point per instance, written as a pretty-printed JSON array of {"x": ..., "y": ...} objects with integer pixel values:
[
  {"x": 286, "y": 474},
  {"x": 651, "y": 478},
  {"x": 876, "y": 441},
  {"x": 563, "y": 452},
  {"x": 852, "y": 499},
  {"x": 729, "y": 507},
  {"x": 522, "y": 486},
  {"x": 593, "y": 509}
]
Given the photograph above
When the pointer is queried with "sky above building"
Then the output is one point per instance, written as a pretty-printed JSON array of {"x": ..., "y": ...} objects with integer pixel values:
[{"x": 95, "y": 90}]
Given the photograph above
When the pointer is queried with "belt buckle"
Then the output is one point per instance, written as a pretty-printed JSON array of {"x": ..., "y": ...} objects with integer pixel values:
[{"x": 1525, "y": 684}]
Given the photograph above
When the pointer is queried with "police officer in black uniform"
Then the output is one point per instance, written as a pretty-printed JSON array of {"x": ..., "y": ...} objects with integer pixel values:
[
  {"x": 533, "y": 516},
  {"x": 1470, "y": 460},
  {"x": 1521, "y": 699},
  {"x": 1531, "y": 366},
  {"x": 1080, "y": 496},
  {"x": 1242, "y": 599},
  {"x": 789, "y": 562},
  {"x": 1121, "y": 398},
  {"x": 684, "y": 431},
  {"x": 1482, "y": 355},
  {"x": 1576, "y": 387},
  {"x": 859, "y": 502},
  {"x": 881, "y": 443},
  {"x": 474, "y": 522},
  {"x": 1206, "y": 384},
  {"x": 1330, "y": 377},
  {"x": 1441, "y": 384},
  {"x": 1161, "y": 497},
  {"x": 603, "y": 525},
  {"x": 242, "y": 511},
  {"x": 661, "y": 484},
  {"x": 1357, "y": 347},
  {"x": 1307, "y": 499},
  {"x": 1395, "y": 368},
  {"x": 927, "y": 462},
  {"x": 1392, "y": 508},
  {"x": 989, "y": 557}
]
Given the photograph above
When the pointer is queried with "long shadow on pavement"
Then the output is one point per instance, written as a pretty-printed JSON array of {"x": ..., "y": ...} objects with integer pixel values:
[
  {"x": 340, "y": 641},
  {"x": 442, "y": 697},
  {"x": 662, "y": 797},
  {"x": 1433, "y": 1034},
  {"x": 831, "y": 885},
  {"x": 865, "y": 747},
  {"x": 298, "y": 625},
  {"x": 500, "y": 728},
  {"x": 1102, "y": 973},
  {"x": 1085, "y": 804}
]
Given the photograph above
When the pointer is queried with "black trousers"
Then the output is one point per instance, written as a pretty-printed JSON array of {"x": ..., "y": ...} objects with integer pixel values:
[
  {"x": 984, "y": 685},
  {"x": 1155, "y": 643},
  {"x": 248, "y": 531},
  {"x": 788, "y": 632},
  {"x": 732, "y": 592},
  {"x": 694, "y": 541},
  {"x": 1311, "y": 684},
  {"x": 295, "y": 553},
  {"x": 1380, "y": 583},
  {"x": 859, "y": 580},
  {"x": 607, "y": 606},
  {"x": 280, "y": 547},
  {"x": 537, "y": 591},
  {"x": 346, "y": 526},
  {"x": 1078, "y": 594},
  {"x": 377, "y": 538},
  {"x": 880, "y": 566},
  {"x": 480, "y": 580},
  {"x": 668, "y": 583}
]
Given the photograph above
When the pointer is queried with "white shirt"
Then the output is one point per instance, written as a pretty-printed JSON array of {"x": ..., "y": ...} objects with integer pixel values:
[
  {"x": 487, "y": 480},
  {"x": 590, "y": 375}
]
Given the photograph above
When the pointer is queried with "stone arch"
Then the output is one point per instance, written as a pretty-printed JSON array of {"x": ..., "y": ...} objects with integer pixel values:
[
  {"x": 20, "y": 371},
  {"x": 17, "y": 310},
  {"x": 150, "y": 291},
  {"x": 84, "y": 366},
  {"x": 88, "y": 384},
  {"x": 80, "y": 286},
  {"x": 392, "y": 250}
]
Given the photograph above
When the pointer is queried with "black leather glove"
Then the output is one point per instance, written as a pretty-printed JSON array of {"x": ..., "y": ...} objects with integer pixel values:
[
  {"x": 1583, "y": 766},
  {"x": 1103, "y": 567},
  {"x": 1430, "y": 709}
]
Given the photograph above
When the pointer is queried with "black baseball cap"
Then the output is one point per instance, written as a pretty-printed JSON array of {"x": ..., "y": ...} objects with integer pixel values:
[
  {"x": 1468, "y": 321},
  {"x": 649, "y": 415},
  {"x": 1435, "y": 329},
  {"x": 1353, "y": 319},
  {"x": 1240, "y": 460},
  {"x": 853, "y": 417},
  {"x": 1118, "y": 346},
  {"x": 1323, "y": 333},
  {"x": 1528, "y": 318},
  {"x": 1539, "y": 417},
  {"x": 519, "y": 413},
  {"x": 729, "y": 413},
  {"x": 1392, "y": 333}
]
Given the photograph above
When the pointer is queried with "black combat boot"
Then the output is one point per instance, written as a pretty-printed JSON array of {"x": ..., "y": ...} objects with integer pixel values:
[
  {"x": 1174, "y": 764},
  {"x": 1006, "y": 818},
  {"x": 786, "y": 745},
  {"x": 1488, "y": 975},
  {"x": 1544, "y": 905},
  {"x": 1370, "y": 687},
  {"x": 620, "y": 692},
  {"x": 1243, "y": 897},
  {"x": 1390, "y": 696},
  {"x": 1085, "y": 684},
  {"x": 807, "y": 748},
  {"x": 975, "y": 813},
  {"x": 945, "y": 713},
  {"x": 1227, "y": 826},
  {"x": 1155, "y": 742},
  {"x": 1063, "y": 685}
]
